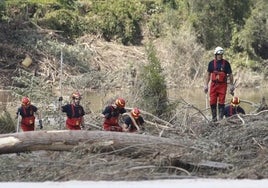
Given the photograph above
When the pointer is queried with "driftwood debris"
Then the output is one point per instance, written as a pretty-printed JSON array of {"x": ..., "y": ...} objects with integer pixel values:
[
  {"x": 263, "y": 105},
  {"x": 127, "y": 142},
  {"x": 67, "y": 140}
]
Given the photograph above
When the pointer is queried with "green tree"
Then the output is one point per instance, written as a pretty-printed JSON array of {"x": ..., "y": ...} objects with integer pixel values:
[
  {"x": 215, "y": 20},
  {"x": 253, "y": 38}
]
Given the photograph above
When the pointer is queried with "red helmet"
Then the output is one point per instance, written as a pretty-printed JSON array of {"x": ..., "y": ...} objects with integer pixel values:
[
  {"x": 25, "y": 101},
  {"x": 135, "y": 112},
  {"x": 120, "y": 103},
  {"x": 76, "y": 95},
  {"x": 235, "y": 101}
]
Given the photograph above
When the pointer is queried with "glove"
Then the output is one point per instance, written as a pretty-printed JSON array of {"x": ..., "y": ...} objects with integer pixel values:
[
  {"x": 206, "y": 89},
  {"x": 82, "y": 127},
  {"x": 40, "y": 124},
  {"x": 60, "y": 98},
  {"x": 232, "y": 88}
]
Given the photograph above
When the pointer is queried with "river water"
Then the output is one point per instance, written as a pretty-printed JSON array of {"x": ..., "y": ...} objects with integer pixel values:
[{"x": 196, "y": 97}]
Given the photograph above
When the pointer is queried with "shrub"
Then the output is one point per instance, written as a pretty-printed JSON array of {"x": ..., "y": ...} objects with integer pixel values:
[
  {"x": 117, "y": 19},
  {"x": 7, "y": 125},
  {"x": 153, "y": 86},
  {"x": 63, "y": 20}
]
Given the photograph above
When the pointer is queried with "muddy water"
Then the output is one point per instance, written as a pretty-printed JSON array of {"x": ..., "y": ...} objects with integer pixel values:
[
  {"x": 195, "y": 97},
  {"x": 198, "y": 98}
]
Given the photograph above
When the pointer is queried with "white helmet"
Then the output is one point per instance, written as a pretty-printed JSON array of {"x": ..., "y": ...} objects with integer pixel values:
[{"x": 218, "y": 50}]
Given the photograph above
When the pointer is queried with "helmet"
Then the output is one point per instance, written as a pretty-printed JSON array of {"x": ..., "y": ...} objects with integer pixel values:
[
  {"x": 135, "y": 112},
  {"x": 76, "y": 95},
  {"x": 25, "y": 101},
  {"x": 120, "y": 103},
  {"x": 218, "y": 50},
  {"x": 235, "y": 101}
]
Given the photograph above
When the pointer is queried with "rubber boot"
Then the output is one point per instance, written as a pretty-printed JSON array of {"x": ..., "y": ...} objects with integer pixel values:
[
  {"x": 214, "y": 112},
  {"x": 221, "y": 111}
]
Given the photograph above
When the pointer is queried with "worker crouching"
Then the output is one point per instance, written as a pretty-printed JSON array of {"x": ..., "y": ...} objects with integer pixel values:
[{"x": 111, "y": 115}]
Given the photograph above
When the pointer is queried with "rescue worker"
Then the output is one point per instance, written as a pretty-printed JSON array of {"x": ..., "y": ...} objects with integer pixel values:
[
  {"x": 75, "y": 112},
  {"x": 111, "y": 115},
  {"x": 218, "y": 71},
  {"x": 233, "y": 108},
  {"x": 129, "y": 125},
  {"x": 28, "y": 111}
]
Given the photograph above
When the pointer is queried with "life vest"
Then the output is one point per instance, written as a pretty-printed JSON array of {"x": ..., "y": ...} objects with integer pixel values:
[
  {"x": 113, "y": 120},
  {"x": 73, "y": 121},
  {"x": 219, "y": 76},
  {"x": 111, "y": 123}
]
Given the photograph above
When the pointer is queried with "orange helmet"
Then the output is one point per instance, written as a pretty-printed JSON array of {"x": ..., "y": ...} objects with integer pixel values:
[
  {"x": 120, "y": 103},
  {"x": 135, "y": 112},
  {"x": 76, "y": 95},
  {"x": 235, "y": 101},
  {"x": 25, "y": 101}
]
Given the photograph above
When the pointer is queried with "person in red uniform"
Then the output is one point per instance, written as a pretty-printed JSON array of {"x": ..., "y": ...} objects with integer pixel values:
[
  {"x": 75, "y": 112},
  {"x": 111, "y": 115},
  {"x": 218, "y": 71},
  {"x": 233, "y": 108},
  {"x": 28, "y": 111},
  {"x": 130, "y": 125}
]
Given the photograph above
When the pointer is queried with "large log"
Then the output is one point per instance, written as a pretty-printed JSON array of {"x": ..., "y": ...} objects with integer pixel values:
[
  {"x": 66, "y": 140},
  {"x": 128, "y": 142}
]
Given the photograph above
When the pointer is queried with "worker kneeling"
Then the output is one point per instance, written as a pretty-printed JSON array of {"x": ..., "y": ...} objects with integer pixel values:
[
  {"x": 233, "y": 108},
  {"x": 134, "y": 122}
]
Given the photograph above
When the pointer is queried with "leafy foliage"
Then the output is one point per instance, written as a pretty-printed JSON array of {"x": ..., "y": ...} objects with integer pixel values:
[
  {"x": 117, "y": 19},
  {"x": 254, "y": 36},
  {"x": 215, "y": 20},
  {"x": 63, "y": 20}
]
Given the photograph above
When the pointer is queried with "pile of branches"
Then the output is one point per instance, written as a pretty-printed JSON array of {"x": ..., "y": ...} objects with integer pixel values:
[{"x": 230, "y": 148}]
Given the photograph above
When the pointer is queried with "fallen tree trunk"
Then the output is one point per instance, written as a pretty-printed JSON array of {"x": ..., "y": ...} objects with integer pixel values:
[
  {"x": 126, "y": 144},
  {"x": 67, "y": 140}
]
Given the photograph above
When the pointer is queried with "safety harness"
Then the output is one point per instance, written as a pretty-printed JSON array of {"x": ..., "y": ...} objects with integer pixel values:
[
  {"x": 27, "y": 118},
  {"x": 219, "y": 76},
  {"x": 74, "y": 121}
]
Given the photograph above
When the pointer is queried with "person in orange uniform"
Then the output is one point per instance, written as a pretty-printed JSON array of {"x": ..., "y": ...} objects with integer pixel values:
[
  {"x": 28, "y": 111},
  {"x": 135, "y": 122},
  {"x": 233, "y": 108},
  {"x": 111, "y": 115},
  {"x": 75, "y": 112},
  {"x": 218, "y": 71}
]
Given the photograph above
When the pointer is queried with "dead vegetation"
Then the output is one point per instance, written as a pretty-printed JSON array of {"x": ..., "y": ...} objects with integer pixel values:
[{"x": 230, "y": 148}]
